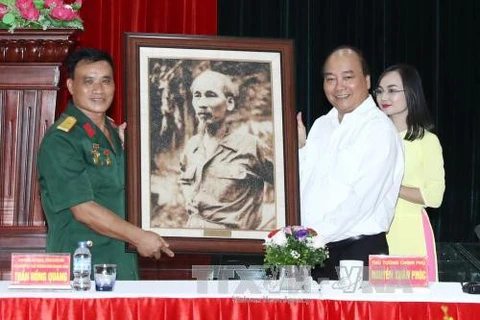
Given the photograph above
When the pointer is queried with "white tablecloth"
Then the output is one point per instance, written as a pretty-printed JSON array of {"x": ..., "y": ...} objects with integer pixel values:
[{"x": 250, "y": 289}]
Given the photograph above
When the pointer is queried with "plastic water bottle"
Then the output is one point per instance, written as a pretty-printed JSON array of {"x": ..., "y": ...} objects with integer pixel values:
[{"x": 82, "y": 267}]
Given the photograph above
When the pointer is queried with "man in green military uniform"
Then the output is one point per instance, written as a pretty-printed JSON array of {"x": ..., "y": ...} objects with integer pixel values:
[{"x": 82, "y": 173}]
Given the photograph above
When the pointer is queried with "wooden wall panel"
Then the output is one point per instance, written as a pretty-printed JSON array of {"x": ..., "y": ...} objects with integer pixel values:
[
  {"x": 8, "y": 121},
  {"x": 24, "y": 117},
  {"x": 19, "y": 239}
]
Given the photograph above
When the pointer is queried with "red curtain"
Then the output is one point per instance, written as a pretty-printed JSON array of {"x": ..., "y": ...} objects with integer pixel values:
[{"x": 105, "y": 22}]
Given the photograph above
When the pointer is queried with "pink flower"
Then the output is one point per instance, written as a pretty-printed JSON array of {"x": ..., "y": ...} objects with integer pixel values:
[
  {"x": 52, "y": 3},
  {"x": 79, "y": 2},
  {"x": 24, "y": 4},
  {"x": 27, "y": 9},
  {"x": 29, "y": 13},
  {"x": 3, "y": 10},
  {"x": 63, "y": 13}
]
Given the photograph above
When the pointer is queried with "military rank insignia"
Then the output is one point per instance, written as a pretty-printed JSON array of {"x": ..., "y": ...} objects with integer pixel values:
[
  {"x": 89, "y": 130},
  {"x": 67, "y": 124},
  {"x": 101, "y": 159}
]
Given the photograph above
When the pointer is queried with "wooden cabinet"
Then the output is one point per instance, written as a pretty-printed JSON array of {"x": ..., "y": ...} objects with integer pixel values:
[{"x": 30, "y": 62}]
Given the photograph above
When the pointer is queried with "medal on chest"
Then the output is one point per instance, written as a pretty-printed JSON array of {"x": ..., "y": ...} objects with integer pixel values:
[
  {"x": 108, "y": 160},
  {"x": 95, "y": 153},
  {"x": 102, "y": 159},
  {"x": 98, "y": 158}
]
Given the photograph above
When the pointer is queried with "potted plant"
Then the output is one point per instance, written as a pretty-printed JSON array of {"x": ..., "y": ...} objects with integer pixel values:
[
  {"x": 38, "y": 30},
  {"x": 40, "y": 14},
  {"x": 291, "y": 252}
]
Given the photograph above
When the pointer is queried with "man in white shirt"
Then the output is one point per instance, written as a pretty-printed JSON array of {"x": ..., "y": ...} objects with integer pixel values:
[{"x": 351, "y": 165}]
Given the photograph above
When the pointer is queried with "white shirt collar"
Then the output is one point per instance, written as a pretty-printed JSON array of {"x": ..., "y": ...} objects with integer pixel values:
[{"x": 363, "y": 107}]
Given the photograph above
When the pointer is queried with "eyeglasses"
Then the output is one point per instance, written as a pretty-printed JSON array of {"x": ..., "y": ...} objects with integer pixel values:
[{"x": 379, "y": 92}]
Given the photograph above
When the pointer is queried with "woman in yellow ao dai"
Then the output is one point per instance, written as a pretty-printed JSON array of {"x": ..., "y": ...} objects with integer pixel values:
[{"x": 400, "y": 95}]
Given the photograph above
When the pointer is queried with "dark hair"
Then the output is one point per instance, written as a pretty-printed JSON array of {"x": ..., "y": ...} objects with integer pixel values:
[
  {"x": 358, "y": 52},
  {"x": 418, "y": 118},
  {"x": 86, "y": 54}
]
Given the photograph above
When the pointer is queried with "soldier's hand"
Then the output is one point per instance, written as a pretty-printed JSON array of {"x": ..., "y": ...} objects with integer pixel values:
[
  {"x": 152, "y": 245},
  {"x": 121, "y": 132},
  {"x": 121, "y": 129},
  {"x": 302, "y": 131}
]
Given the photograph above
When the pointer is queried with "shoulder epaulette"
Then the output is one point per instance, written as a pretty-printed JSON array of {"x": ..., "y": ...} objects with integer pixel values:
[{"x": 67, "y": 124}]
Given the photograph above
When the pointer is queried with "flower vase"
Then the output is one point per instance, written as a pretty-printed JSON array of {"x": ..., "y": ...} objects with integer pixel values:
[
  {"x": 295, "y": 278},
  {"x": 36, "y": 45}
]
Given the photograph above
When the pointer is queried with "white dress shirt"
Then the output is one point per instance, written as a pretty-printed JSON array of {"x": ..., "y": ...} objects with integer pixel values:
[{"x": 350, "y": 173}]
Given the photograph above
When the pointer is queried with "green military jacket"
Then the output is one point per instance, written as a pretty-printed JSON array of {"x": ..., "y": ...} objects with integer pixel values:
[{"x": 76, "y": 164}]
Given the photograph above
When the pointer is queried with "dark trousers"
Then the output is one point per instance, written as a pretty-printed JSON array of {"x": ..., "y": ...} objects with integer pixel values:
[{"x": 356, "y": 248}]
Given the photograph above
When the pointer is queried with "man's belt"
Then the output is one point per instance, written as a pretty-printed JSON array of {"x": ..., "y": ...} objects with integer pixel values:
[{"x": 352, "y": 239}]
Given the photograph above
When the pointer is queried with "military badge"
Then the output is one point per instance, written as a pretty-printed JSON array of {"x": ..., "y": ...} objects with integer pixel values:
[
  {"x": 95, "y": 153},
  {"x": 108, "y": 160},
  {"x": 101, "y": 158}
]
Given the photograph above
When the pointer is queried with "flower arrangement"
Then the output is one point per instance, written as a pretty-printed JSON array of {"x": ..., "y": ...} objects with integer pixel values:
[
  {"x": 294, "y": 245},
  {"x": 40, "y": 14}
]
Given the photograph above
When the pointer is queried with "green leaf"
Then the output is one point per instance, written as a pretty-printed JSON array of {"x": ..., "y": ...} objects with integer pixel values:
[
  {"x": 8, "y": 2},
  {"x": 39, "y": 4},
  {"x": 76, "y": 6},
  {"x": 8, "y": 18}
]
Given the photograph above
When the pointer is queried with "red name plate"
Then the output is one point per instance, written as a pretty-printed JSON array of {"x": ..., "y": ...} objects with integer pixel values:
[
  {"x": 40, "y": 270},
  {"x": 398, "y": 271}
]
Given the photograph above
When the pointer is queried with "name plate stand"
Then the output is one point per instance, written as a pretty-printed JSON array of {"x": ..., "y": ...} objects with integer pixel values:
[
  {"x": 40, "y": 271},
  {"x": 398, "y": 271}
]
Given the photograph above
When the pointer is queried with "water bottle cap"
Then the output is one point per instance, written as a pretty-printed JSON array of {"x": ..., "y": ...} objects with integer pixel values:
[{"x": 85, "y": 244}]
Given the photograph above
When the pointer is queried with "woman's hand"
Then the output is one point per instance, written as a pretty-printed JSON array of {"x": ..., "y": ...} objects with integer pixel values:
[{"x": 302, "y": 131}]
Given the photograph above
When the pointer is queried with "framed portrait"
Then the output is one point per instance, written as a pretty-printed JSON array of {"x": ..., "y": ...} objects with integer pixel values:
[{"x": 211, "y": 144}]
